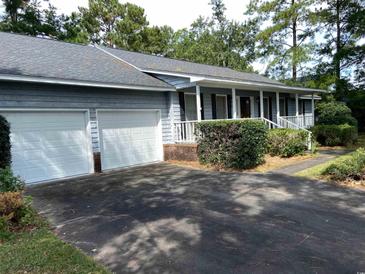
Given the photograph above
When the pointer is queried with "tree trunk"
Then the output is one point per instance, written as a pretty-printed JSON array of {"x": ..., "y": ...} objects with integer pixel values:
[
  {"x": 295, "y": 45},
  {"x": 337, "y": 61}
]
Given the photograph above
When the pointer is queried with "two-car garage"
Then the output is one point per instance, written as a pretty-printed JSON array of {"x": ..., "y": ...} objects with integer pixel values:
[{"x": 54, "y": 144}]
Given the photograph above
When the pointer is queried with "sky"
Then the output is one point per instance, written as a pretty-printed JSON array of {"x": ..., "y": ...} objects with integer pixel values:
[{"x": 175, "y": 13}]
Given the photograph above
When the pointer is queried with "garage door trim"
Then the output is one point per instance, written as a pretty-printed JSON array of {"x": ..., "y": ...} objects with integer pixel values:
[
  {"x": 159, "y": 130},
  {"x": 87, "y": 130}
]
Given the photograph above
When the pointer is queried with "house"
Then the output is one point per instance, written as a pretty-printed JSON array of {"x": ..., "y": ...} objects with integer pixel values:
[{"x": 78, "y": 109}]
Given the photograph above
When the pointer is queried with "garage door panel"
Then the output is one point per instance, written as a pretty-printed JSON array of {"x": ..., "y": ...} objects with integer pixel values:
[
  {"x": 129, "y": 138},
  {"x": 49, "y": 145}
]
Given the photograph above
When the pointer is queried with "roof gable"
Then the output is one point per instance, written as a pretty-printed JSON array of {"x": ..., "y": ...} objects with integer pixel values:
[{"x": 45, "y": 58}]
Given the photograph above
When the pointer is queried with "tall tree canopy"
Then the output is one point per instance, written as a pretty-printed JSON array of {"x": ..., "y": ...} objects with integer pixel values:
[
  {"x": 316, "y": 42},
  {"x": 216, "y": 41},
  {"x": 284, "y": 36},
  {"x": 341, "y": 57}
]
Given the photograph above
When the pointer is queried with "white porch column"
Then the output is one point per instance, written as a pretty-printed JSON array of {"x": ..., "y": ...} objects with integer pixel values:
[
  {"x": 261, "y": 104},
  {"x": 234, "y": 106},
  {"x": 198, "y": 104},
  {"x": 313, "y": 109},
  {"x": 277, "y": 106},
  {"x": 296, "y": 104}
]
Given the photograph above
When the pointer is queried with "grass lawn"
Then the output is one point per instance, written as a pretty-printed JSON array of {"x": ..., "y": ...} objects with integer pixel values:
[
  {"x": 316, "y": 171},
  {"x": 40, "y": 251}
]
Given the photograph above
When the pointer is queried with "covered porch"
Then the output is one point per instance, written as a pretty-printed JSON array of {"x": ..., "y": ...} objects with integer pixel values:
[{"x": 279, "y": 106}]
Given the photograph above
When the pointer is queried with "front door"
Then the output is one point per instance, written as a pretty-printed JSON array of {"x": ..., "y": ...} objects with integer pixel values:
[{"x": 245, "y": 107}]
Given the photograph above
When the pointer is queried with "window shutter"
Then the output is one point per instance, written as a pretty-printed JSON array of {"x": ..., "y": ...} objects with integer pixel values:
[
  {"x": 229, "y": 104},
  {"x": 214, "y": 107},
  {"x": 202, "y": 105}
]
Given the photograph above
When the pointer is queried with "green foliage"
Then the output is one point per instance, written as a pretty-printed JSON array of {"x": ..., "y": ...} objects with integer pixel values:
[
  {"x": 351, "y": 167},
  {"x": 232, "y": 144},
  {"x": 16, "y": 212},
  {"x": 9, "y": 182},
  {"x": 216, "y": 41},
  {"x": 5, "y": 146},
  {"x": 287, "y": 142},
  {"x": 356, "y": 102},
  {"x": 341, "y": 23},
  {"x": 334, "y": 113},
  {"x": 115, "y": 24},
  {"x": 285, "y": 37},
  {"x": 335, "y": 135}
]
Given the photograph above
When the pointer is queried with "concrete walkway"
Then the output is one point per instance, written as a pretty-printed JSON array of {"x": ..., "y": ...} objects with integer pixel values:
[{"x": 324, "y": 156}]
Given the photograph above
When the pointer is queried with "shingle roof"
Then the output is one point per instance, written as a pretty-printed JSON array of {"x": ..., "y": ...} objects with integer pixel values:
[
  {"x": 36, "y": 57},
  {"x": 163, "y": 64}
]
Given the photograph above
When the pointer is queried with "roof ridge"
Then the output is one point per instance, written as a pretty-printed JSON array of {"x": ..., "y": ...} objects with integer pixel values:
[{"x": 174, "y": 59}]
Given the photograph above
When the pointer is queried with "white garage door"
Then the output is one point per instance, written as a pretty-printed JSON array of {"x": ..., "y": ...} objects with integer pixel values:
[
  {"x": 129, "y": 138},
  {"x": 49, "y": 145}
]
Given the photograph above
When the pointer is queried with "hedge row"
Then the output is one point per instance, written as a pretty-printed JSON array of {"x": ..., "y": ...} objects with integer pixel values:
[
  {"x": 285, "y": 142},
  {"x": 335, "y": 135},
  {"x": 232, "y": 144}
]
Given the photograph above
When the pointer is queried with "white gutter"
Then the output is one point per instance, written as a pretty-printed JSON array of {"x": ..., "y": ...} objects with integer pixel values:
[
  {"x": 31, "y": 79},
  {"x": 199, "y": 79},
  {"x": 258, "y": 85}
]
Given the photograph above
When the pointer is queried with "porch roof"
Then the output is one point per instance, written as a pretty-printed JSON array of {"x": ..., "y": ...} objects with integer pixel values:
[{"x": 248, "y": 85}]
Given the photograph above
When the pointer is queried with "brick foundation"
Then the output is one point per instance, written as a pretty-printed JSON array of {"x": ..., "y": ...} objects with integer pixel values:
[
  {"x": 181, "y": 152},
  {"x": 97, "y": 162}
]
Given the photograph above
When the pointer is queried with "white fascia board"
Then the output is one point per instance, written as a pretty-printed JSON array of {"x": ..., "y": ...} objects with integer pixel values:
[
  {"x": 168, "y": 73},
  {"x": 249, "y": 84},
  {"x": 31, "y": 79}
]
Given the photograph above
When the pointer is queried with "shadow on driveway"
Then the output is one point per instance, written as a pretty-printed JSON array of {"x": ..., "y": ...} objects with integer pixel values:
[{"x": 167, "y": 219}]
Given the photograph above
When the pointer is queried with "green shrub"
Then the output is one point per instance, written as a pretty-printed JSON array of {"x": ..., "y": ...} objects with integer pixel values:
[
  {"x": 348, "y": 168},
  {"x": 356, "y": 102},
  {"x": 232, "y": 144},
  {"x": 9, "y": 182},
  {"x": 16, "y": 211},
  {"x": 335, "y": 135},
  {"x": 334, "y": 113},
  {"x": 5, "y": 156},
  {"x": 286, "y": 142}
]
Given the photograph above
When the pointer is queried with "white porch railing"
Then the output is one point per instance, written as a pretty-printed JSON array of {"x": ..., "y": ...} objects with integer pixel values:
[
  {"x": 303, "y": 121},
  {"x": 285, "y": 123},
  {"x": 184, "y": 132}
]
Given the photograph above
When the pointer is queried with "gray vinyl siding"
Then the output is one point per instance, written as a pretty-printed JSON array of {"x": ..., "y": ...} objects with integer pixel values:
[
  {"x": 291, "y": 107},
  {"x": 292, "y": 110},
  {"x": 16, "y": 95},
  {"x": 308, "y": 106}
]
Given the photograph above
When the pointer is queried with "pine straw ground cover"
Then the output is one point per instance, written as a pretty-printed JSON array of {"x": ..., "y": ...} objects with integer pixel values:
[{"x": 271, "y": 163}]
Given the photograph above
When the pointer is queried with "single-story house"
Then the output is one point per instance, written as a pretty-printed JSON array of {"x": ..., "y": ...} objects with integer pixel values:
[{"x": 77, "y": 109}]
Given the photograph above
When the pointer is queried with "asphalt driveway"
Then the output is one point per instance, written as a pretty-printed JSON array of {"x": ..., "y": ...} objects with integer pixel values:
[{"x": 167, "y": 219}]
